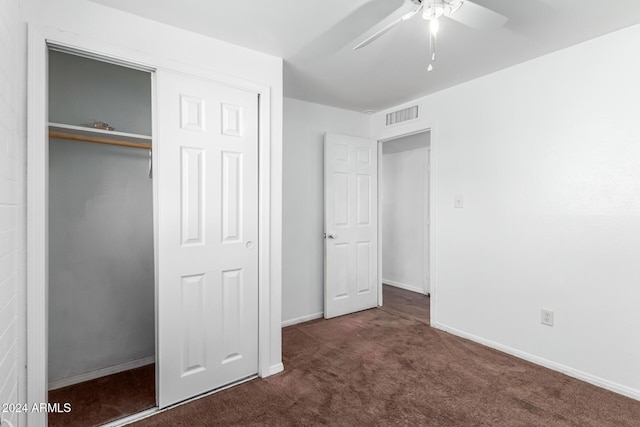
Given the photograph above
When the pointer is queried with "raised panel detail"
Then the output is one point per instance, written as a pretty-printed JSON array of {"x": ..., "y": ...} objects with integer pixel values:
[
  {"x": 231, "y": 196},
  {"x": 364, "y": 156},
  {"x": 231, "y": 120},
  {"x": 363, "y": 199},
  {"x": 193, "y": 324},
  {"x": 232, "y": 311},
  {"x": 192, "y": 113},
  {"x": 363, "y": 267},
  {"x": 341, "y": 198},
  {"x": 341, "y": 153},
  {"x": 341, "y": 252},
  {"x": 192, "y": 191}
]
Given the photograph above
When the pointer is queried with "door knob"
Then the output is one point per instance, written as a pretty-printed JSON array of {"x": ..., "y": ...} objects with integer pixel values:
[{"x": 330, "y": 236}]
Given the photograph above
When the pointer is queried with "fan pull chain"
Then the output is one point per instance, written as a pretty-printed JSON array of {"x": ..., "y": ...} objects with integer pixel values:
[
  {"x": 432, "y": 50},
  {"x": 433, "y": 14}
]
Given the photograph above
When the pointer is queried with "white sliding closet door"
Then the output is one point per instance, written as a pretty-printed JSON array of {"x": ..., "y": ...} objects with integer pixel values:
[{"x": 207, "y": 175}]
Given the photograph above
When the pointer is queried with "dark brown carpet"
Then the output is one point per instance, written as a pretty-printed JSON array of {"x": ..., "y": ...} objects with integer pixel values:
[
  {"x": 379, "y": 368},
  {"x": 105, "y": 399}
]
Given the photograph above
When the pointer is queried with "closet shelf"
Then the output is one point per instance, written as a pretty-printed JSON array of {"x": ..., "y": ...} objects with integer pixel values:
[{"x": 99, "y": 136}]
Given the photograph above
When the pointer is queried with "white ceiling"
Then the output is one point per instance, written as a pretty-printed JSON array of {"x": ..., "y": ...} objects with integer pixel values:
[{"x": 315, "y": 38}]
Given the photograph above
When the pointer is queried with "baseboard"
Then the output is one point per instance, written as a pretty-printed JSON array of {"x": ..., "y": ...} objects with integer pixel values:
[
  {"x": 302, "y": 319},
  {"x": 411, "y": 288},
  {"x": 278, "y": 367},
  {"x": 575, "y": 373},
  {"x": 56, "y": 384}
]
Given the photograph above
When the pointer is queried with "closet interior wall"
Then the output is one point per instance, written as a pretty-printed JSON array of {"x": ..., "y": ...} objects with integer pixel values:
[{"x": 101, "y": 259}]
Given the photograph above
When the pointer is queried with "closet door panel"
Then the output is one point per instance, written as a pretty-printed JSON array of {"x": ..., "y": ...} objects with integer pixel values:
[
  {"x": 231, "y": 196},
  {"x": 192, "y": 202},
  {"x": 207, "y": 168}
]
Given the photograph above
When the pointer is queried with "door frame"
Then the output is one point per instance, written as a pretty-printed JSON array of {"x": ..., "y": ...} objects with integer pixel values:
[
  {"x": 429, "y": 237},
  {"x": 36, "y": 299}
]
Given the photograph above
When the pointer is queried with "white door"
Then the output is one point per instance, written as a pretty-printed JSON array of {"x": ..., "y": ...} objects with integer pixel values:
[
  {"x": 207, "y": 168},
  {"x": 351, "y": 224}
]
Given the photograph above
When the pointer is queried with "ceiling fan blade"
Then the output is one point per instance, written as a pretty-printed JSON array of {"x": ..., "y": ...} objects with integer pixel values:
[
  {"x": 479, "y": 17},
  {"x": 386, "y": 29},
  {"x": 371, "y": 14}
]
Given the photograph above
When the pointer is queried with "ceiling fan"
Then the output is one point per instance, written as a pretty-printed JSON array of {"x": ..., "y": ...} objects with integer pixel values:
[{"x": 464, "y": 11}]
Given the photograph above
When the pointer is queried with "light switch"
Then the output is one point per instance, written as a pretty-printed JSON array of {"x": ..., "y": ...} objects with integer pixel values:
[{"x": 458, "y": 201}]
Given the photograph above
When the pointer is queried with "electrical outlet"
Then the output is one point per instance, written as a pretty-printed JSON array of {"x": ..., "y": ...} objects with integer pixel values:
[{"x": 547, "y": 317}]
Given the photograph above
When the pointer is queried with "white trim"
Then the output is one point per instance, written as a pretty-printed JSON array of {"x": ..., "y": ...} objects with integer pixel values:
[
  {"x": 264, "y": 233},
  {"x": 103, "y": 372},
  {"x": 278, "y": 367},
  {"x": 380, "y": 225},
  {"x": 426, "y": 225},
  {"x": 21, "y": 273},
  {"x": 99, "y": 57},
  {"x": 433, "y": 236},
  {"x": 575, "y": 373},
  {"x": 412, "y": 288},
  {"x": 156, "y": 227},
  {"x": 37, "y": 171},
  {"x": 404, "y": 135},
  {"x": 302, "y": 319}
]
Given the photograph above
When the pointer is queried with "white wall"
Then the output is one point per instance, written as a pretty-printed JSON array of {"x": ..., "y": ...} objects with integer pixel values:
[
  {"x": 547, "y": 157},
  {"x": 303, "y": 201},
  {"x": 101, "y": 275},
  {"x": 404, "y": 211},
  {"x": 12, "y": 137},
  {"x": 175, "y": 46}
]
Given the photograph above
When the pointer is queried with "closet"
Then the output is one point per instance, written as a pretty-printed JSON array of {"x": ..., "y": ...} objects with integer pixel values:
[
  {"x": 101, "y": 309},
  {"x": 195, "y": 313}
]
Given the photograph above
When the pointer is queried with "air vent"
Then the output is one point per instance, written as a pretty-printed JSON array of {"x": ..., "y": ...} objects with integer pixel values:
[{"x": 404, "y": 115}]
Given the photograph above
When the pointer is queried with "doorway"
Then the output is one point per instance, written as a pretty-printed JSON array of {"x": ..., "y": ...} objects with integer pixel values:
[
  {"x": 404, "y": 213},
  {"x": 372, "y": 200}
]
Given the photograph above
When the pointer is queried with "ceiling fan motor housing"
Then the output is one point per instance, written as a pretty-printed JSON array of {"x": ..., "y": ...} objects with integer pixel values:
[{"x": 434, "y": 9}]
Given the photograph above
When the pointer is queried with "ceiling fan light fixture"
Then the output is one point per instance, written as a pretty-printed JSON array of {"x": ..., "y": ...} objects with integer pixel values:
[
  {"x": 434, "y": 26},
  {"x": 433, "y": 11}
]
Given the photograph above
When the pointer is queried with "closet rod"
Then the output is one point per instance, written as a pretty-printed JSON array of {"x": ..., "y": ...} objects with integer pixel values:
[{"x": 98, "y": 140}]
